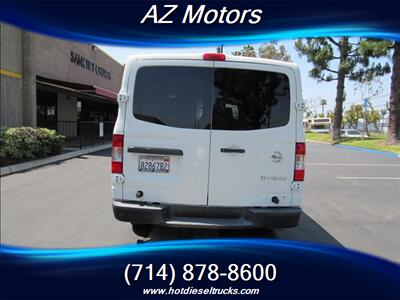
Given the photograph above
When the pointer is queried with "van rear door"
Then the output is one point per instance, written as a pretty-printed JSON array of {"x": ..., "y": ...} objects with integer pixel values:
[
  {"x": 167, "y": 131},
  {"x": 253, "y": 135}
]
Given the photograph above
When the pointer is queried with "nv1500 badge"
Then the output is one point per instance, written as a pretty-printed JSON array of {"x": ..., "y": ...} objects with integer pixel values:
[{"x": 273, "y": 178}]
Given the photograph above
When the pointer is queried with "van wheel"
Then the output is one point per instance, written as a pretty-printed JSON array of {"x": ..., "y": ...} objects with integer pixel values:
[{"x": 142, "y": 229}]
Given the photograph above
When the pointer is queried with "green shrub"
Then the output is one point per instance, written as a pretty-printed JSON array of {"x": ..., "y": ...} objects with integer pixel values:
[
  {"x": 2, "y": 142},
  {"x": 28, "y": 142}
]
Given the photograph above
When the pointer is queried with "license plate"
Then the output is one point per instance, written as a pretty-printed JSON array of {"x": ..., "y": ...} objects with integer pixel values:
[{"x": 153, "y": 164}]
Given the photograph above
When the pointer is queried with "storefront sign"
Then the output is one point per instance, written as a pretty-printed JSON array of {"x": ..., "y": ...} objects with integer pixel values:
[{"x": 89, "y": 65}]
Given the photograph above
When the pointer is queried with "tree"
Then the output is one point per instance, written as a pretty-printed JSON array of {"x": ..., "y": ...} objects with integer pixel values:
[
  {"x": 379, "y": 48},
  {"x": 246, "y": 51},
  {"x": 266, "y": 50},
  {"x": 353, "y": 114},
  {"x": 310, "y": 110},
  {"x": 352, "y": 64},
  {"x": 394, "y": 109},
  {"x": 330, "y": 114},
  {"x": 369, "y": 89},
  {"x": 356, "y": 112},
  {"x": 373, "y": 117},
  {"x": 323, "y": 103},
  {"x": 273, "y": 51}
]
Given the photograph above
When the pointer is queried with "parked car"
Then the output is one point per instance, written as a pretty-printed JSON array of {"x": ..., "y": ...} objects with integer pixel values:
[
  {"x": 354, "y": 133},
  {"x": 209, "y": 141}
]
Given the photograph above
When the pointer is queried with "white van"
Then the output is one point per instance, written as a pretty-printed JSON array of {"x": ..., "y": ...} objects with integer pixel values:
[{"x": 210, "y": 141}]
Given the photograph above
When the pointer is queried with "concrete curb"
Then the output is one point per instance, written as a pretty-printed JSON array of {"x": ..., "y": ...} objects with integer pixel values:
[
  {"x": 384, "y": 153},
  {"x": 8, "y": 170},
  {"x": 355, "y": 148}
]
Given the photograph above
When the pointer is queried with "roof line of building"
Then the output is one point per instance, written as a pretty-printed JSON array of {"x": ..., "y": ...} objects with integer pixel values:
[{"x": 105, "y": 53}]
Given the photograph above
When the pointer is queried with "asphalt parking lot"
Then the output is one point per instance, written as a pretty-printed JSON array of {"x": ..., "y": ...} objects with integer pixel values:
[{"x": 351, "y": 199}]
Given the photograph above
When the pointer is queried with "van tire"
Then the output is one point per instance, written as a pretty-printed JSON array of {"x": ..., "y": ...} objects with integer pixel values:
[{"x": 142, "y": 229}]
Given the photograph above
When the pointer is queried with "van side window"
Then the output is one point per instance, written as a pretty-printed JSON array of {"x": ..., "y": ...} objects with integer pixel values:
[
  {"x": 174, "y": 96},
  {"x": 249, "y": 99}
]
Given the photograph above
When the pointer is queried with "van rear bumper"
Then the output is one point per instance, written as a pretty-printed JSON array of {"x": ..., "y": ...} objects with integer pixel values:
[{"x": 206, "y": 216}]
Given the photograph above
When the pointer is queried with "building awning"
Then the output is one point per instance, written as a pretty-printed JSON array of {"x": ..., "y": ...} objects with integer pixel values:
[
  {"x": 83, "y": 91},
  {"x": 104, "y": 92}
]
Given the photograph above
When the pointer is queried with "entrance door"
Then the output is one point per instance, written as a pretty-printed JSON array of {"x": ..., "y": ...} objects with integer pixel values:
[
  {"x": 253, "y": 135},
  {"x": 167, "y": 132},
  {"x": 46, "y": 110}
]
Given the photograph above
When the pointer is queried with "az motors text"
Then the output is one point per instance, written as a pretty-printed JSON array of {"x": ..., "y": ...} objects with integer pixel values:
[{"x": 164, "y": 15}]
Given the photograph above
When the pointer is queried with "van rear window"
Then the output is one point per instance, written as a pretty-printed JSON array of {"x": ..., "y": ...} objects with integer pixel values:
[
  {"x": 204, "y": 98},
  {"x": 174, "y": 96},
  {"x": 249, "y": 99}
]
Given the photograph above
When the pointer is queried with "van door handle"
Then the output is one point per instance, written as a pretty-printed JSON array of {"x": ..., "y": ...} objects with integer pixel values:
[
  {"x": 159, "y": 151},
  {"x": 232, "y": 150}
]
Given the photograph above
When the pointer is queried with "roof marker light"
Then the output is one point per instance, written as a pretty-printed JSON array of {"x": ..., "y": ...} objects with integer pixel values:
[{"x": 214, "y": 56}]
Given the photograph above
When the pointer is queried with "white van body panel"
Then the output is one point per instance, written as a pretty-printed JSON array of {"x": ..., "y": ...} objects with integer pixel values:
[
  {"x": 252, "y": 178},
  {"x": 297, "y": 193},
  {"x": 203, "y": 175},
  {"x": 198, "y": 56},
  {"x": 186, "y": 183}
]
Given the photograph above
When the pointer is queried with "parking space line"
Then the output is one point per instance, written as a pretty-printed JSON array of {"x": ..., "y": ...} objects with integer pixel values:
[
  {"x": 354, "y": 165},
  {"x": 369, "y": 178}
]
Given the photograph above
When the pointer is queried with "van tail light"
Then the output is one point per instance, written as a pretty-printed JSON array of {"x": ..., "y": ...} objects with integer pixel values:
[
  {"x": 117, "y": 153},
  {"x": 214, "y": 56},
  {"x": 299, "y": 162}
]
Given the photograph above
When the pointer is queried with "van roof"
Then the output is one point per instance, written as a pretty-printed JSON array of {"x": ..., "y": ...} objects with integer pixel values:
[{"x": 199, "y": 56}]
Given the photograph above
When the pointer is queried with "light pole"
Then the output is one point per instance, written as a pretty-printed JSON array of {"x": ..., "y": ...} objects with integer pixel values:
[
  {"x": 365, "y": 129},
  {"x": 323, "y": 103},
  {"x": 383, "y": 113}
]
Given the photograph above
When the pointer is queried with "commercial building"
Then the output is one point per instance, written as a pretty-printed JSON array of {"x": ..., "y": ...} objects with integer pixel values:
[{"x": 54, "y": 83}]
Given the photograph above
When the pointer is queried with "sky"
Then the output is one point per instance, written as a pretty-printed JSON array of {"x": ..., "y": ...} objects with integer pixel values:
[{"x": 312, "y": 90}]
